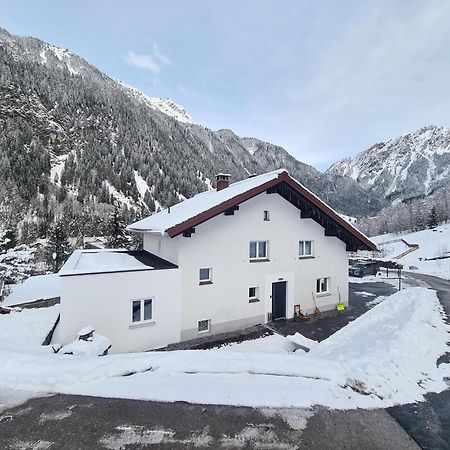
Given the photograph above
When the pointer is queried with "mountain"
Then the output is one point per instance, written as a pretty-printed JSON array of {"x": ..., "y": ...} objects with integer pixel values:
[
  {"x": 411, "y": 166},
  {"x": 73, "y": 141}
]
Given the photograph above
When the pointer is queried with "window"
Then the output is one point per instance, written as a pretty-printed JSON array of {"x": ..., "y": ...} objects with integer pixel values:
[
  {"x": 266, "y": 216},
  {"x": 322, "y": 285},
  {"x": 203, "y": 326},
  {"x": 205, "y": 275},
  {"x": 258, "y": 250},
  {"x": 253, "y": 294},
  {"x": 142, "y": 310},
  {"x": 305, "y": 248}
]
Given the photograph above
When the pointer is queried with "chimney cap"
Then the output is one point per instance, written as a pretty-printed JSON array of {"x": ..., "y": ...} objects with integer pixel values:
[{"x": 223, "y": 175}]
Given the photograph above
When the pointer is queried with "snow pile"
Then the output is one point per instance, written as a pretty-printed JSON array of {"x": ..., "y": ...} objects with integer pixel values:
[
  {"x": 302, "y": 341},
  {"x": 26, "y": 330},
  {"x": 269, "y": 344},
  {"x": 385, "y": 357},
  {"x": 391, "y": 351},
  {"x": 97, "y": 345}
]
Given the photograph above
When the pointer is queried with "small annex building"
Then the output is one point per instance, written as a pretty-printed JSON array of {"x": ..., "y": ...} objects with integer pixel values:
[{"x": 240, "y": 255}]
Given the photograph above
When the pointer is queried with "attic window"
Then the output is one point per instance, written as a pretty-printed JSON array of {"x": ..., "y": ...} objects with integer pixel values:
[{"x": 266, "y": 216}]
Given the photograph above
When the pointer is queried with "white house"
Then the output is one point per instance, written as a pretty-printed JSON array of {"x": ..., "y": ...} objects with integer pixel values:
[{"x": 240, "y": 255}]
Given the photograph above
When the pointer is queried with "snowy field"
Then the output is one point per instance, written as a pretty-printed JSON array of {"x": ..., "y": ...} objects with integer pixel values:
[
  {"x": 432, "y": 243},
  {"x": 386, "y": 357}
]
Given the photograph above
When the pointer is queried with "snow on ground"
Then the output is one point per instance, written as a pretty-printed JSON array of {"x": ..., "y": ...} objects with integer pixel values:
[
  {"x": 141, "y": 184},
  {"x": 385, "y": 357},
  {"x": 119, "y": 196},
  {"x": 269, "y": 344},
  {"x": 26, "y": 330},
  {"x": 432, "y": 243}
]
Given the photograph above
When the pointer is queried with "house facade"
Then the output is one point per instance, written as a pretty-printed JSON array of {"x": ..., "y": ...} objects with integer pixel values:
[{"x": 244, "y": 254}]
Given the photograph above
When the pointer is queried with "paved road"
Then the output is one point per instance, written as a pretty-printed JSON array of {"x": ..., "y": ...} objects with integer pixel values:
[
  {"x": 429, "y": 422},
  {"x": 78, "y": 422},
  {"x": 75, "y": 422}
]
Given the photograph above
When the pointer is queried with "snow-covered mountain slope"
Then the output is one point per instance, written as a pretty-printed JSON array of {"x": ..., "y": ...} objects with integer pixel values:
[
  {"x": 433, "y": 243},
  {"x": 76, "y": 139},
  {"x": 412, "y": 165},
  {"x": 165, "y": 105}
]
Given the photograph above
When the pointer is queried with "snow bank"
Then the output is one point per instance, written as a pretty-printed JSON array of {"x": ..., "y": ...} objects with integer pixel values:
[
  {"x": 387, "y": 356},
  {"x": 391, "y": 351},
  {"x": 26, "y": 330}
]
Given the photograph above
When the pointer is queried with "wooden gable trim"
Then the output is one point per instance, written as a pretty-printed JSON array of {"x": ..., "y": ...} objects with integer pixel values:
[{"x": 309, "y": 205}]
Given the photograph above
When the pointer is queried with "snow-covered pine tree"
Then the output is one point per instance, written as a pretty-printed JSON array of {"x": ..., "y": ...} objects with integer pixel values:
[
  {"x": 433, "y": 218},
  {"x": 58, "y": 247},
  {"x": 117, "y": 236}
]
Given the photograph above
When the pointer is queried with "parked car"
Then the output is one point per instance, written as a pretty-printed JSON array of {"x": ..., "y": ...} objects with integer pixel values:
[{"x": 362, "y": 269}]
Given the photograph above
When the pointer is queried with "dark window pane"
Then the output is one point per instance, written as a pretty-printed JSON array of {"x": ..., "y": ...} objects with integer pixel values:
[
  {"x": 252, "y": 292},
  {"x": 203, "y": 325},
  {"x": 308, "y": 248},
  {"x": 204, "y": 275},
  {"x": 318, "y": 285},
  {"x": 136, "y": 316},
  {"x": 148, "y": 309},
  {"x": 262, "y": 249},
  {"x": 253, "y": 249}
]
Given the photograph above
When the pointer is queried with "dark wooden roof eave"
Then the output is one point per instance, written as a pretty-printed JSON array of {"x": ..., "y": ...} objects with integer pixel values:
[{"x": 283, "y": 177}]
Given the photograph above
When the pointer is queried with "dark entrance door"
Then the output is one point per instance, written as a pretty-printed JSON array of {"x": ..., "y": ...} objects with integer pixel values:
[{"x": 278, "y": 300}]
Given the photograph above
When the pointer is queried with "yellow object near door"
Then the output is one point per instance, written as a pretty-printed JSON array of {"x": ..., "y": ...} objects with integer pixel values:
[{"x": 340, "y": 307}]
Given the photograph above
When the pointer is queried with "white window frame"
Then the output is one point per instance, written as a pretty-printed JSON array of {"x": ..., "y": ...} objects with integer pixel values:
[
  {"x": 258, "y": 258},
  {"x": 254, "y": 298},
  {"x": 319, "y": 282},
  {"x": 204, "y": 331},
  {"x": 141, "y": 310},
  {"x": 266, "y": 215},
  {"x": 302, "y": 248},
  {"x": 205, "y": 280}
]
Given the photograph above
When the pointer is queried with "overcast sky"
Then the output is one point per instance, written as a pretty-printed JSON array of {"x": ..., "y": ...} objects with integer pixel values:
[{"x": 324, "y": 79}]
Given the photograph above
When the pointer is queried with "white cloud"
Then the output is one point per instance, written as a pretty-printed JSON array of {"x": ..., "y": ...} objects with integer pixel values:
[{"x": 153, "y": 62}]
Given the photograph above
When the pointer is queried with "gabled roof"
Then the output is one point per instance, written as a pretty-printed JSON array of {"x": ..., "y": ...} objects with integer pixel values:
[{"x": 186, "y": 215}]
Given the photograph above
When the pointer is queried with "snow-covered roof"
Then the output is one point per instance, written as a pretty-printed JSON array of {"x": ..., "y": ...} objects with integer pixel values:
[
  {"x": 83, "y": 262},
  {"x": 184, "y": 216},
  {"x": 179, "y": 213},
  {"x": 39, "y": 287}
]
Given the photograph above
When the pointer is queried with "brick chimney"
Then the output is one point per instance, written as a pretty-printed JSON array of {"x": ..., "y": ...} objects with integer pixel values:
[{"x": 223, "y": 181}]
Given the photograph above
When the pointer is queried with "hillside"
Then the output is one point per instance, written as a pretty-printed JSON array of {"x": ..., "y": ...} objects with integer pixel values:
[
  {"x": 73, "y": 140},
  {"x": 433, "y": 243},
  {"x": 411, "y": 166}
]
